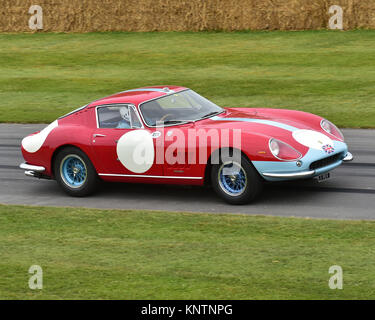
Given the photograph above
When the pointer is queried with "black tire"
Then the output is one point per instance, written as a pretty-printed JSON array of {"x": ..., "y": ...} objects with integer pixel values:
[
  {"x": 89, "y": 184},
  {"x": 251, "y": 190}
]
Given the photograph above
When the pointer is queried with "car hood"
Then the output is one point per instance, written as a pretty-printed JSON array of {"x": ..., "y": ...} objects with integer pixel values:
[{"x": 272, "y": 123}]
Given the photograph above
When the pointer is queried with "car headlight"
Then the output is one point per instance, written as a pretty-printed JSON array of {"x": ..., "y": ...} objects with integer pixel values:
[
  {"x": 283, "y": 151},
  {"x": 329, "y": 127}
]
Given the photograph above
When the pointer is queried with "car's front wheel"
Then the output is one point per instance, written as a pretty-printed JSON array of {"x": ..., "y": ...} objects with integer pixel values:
[
  {"x": 236, "y": 182},
  {"x": 75, "y": 173}
]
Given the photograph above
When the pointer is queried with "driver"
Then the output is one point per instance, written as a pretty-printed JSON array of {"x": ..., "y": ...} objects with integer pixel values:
[{"x": 124, "y": 123}]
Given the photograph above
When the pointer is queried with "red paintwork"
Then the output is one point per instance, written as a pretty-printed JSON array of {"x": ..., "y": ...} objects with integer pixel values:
[{"x": 78, "y": 128}]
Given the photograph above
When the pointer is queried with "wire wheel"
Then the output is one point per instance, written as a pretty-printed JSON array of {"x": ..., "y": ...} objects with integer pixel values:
[
  {"x": 232, "y": 178},
  {"x": 73, "y": 171}
]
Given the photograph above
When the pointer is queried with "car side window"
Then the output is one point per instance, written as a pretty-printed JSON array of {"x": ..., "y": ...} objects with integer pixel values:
[
  {"x": 117, "y": 117},
  {"x": 136, "y": 123}
]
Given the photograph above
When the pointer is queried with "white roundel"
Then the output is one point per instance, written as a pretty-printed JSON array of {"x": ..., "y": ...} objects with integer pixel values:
[
  {"x": 33, "y": 143},
  {"x": 312, "y": 139},
  {"x": 135, "y": 150}
]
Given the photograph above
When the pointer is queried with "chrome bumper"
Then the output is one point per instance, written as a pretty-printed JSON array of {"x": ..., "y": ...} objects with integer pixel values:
[
  {"x": 291, "y": 175},
  {"x": 30, "y": 167},
  {"x": 33, "y": 171}
]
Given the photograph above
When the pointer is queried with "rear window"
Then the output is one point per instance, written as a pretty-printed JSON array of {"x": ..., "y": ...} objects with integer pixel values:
[{"x": 74, "y": 111}]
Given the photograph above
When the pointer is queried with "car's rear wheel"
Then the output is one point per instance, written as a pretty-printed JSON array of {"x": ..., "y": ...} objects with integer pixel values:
[
  {"x": 236, "y": 182},
  {"x": 75, "y": 173}
]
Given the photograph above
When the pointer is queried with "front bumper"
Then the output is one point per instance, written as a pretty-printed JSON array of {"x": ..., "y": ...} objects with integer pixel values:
[
  {"x": 290, "y": 175},
  {"x": 34, "y": 171},
  {"x": 308, "y": 173}
]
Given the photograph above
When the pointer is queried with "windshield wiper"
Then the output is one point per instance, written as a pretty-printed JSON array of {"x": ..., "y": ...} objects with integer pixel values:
[
  {"x": 214, "y": 113},
  {"x": 175, "y": 121}
]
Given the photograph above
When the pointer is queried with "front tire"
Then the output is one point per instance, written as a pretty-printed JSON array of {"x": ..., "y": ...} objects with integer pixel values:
[
  {"x": 236, "y": 183},
  {"x": 75, "y": 173}
]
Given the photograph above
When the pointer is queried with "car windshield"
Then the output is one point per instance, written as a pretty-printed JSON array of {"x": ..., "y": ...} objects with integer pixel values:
[{"x": 177, "y": 108}]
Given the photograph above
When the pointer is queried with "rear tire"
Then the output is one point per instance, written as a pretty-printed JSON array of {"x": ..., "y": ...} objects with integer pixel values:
[
  {"x": 75, "y": 173},
  {"x": 236, "y": 183}
]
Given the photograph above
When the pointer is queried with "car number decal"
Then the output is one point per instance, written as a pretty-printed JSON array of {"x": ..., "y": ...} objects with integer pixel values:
[{"x": 135, "y": 150}]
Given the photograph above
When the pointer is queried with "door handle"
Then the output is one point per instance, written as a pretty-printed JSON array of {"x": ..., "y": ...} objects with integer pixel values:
[{"x": 99, "y": 135}]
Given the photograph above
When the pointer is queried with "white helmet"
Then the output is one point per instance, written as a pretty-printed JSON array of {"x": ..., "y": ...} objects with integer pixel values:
[{"x": 125, "y": 114}]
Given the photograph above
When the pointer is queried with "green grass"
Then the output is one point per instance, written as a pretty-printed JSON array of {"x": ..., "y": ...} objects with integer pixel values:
[
  {"x": 45, "y": 75},
  {"x": 111, "y": 254}
]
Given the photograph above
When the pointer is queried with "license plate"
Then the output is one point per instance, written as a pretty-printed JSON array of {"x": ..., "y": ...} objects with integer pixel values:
[{"x": 323, "y": 177}]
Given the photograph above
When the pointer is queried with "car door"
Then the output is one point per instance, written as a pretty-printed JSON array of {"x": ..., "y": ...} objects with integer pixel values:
[
  {"x": 176, "y": 151},
  {"x": 123, "y": 147}
]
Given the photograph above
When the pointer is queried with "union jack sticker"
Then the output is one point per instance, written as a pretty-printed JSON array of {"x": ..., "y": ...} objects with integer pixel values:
[{"x": 328, "y": 148}]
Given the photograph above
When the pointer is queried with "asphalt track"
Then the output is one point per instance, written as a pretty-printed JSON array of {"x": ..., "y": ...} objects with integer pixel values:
[{"x": 349, "y": 194}]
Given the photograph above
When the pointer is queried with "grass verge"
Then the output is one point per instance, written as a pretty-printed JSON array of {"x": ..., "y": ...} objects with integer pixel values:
[
  {"x": 45, "y": 75},
  {"x": 112, "y": 254}
]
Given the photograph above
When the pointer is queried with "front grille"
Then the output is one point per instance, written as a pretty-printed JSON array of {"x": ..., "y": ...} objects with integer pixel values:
[{"x": 326, "y": 161}]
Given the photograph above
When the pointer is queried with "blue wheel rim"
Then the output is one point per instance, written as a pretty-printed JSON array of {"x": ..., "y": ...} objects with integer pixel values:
[
  {"x": 232, "y": 179},
  {"x": 73, "y": 171}
]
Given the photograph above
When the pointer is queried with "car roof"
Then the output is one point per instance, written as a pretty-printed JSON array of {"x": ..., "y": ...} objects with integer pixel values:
[{"x": 137, "y": 96}]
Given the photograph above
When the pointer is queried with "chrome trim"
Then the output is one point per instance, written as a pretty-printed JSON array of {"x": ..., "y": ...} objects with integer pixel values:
[
  {"x": 146, "y": 176},
  {"x": 96, "y": 117},
  {"x": 117, "y": 105},
  {"x": 30, "y": 174},
  {"x": 30, "y": 167},
  {"x": 34, "y": 174},
  {"x": 303, "y": 174},
  {"x": 139, "y": 118},
  {"x": 72, "y": 112},
  {"x": 349, "y": 157}
]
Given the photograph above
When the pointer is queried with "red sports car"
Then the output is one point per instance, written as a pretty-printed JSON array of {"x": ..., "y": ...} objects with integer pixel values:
[{"x": 172, "y": 135}]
